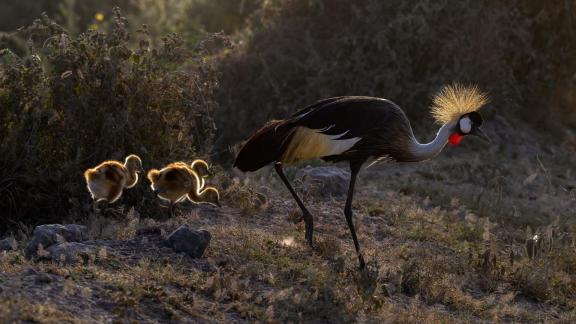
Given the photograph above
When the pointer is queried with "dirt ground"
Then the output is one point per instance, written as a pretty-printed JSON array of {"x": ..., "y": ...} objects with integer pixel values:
[{"x": 445, "y": 241}]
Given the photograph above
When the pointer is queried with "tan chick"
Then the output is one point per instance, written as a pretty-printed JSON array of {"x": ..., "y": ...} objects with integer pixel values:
[
  {"x": 107, "y": 181},
  {"x": 177, "y": 182},
  {"x": 202, "y": 169}
]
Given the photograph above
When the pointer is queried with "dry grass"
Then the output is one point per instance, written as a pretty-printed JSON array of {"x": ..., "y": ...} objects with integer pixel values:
[
  {"x": 440, "y": 260},
  {"x": 18, "y": 310},
  {"x": 453, "y": 240}
]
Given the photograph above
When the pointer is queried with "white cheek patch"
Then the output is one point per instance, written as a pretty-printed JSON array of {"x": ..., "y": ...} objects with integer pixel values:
[{"x": 465, "y": 125}]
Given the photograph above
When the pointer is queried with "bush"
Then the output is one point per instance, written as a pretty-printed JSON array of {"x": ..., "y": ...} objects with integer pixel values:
[
  {"x": 75, "y": 101},
  {"x": 75, "y": 15},
  {"x": 300, "y": 51},
  {"x": 16, "y": 13},
  {"x": 223, "y": 15}
]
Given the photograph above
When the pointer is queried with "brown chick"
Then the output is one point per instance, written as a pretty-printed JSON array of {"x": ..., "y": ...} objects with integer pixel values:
[
  {"x": 107, "y": 181},
  {"x": 178, "y": 181},
  {"x": 202, "y": 169},
  {"x": 208, "y": 195}
]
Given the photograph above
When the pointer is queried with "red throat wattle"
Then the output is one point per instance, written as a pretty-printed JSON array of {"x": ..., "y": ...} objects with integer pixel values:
[{"x": 455, "y": 138}]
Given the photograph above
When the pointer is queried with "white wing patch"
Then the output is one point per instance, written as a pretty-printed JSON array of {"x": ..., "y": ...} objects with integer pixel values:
[
  {"x": 309, "y": 144},
  {"x": 341, "y": 145},
  {"x": 381, "y": 159}
]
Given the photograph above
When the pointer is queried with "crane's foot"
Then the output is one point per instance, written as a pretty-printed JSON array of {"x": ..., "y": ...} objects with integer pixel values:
[
  {"x": 310, "y": 240},
  {"x": 309, "y": 234}
]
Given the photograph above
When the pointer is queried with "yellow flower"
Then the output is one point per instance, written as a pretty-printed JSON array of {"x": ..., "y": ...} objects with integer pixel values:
[{"x": 99, "y": 16}]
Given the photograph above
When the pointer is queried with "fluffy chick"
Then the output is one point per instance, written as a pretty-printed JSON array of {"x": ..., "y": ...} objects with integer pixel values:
[
  {"x": 178, "y": 181},
  {"x": 107, "y": 181}
]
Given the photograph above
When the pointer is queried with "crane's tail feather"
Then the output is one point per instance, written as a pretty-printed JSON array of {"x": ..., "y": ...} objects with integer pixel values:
[{"x": 264, "y": 147}]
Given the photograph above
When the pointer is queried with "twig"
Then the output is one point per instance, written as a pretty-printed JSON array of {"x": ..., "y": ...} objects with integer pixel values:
[{"x": 544, "y": 169}]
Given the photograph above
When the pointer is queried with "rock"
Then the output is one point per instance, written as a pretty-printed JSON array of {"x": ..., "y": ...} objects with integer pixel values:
[
  {"x": 44, "y": 278},
  {"x": 8, "y": 244},
  {"x": 191, "y": 242},
  {"x": 71, "y": 252},
  {"x": 48, "y": 235},
  {"x": 324, "y": 181}
]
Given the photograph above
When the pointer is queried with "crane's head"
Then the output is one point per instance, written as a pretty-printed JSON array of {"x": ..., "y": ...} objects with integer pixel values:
[
  {"x": 459, "y": 104},
  {"x": 468, "y": 124}
]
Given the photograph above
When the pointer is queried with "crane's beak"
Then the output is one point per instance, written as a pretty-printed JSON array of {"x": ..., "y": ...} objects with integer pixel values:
[{"x": 479, "y": 133}]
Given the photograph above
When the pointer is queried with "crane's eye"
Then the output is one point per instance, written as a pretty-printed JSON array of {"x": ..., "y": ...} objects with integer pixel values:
[
  {"x": 465, "y": 125},
  {"x": 476, "y": 118}
]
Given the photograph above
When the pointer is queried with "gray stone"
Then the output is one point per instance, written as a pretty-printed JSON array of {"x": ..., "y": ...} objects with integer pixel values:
[
  {"x": 71, "y": 252},
  {"x": 191, "y": 242},
  {"x": 8, "y": 244},
  {"x": 48, "y": 235},
  {"x": 324, "y": 181},
  {"x": 44, "y": 278}
]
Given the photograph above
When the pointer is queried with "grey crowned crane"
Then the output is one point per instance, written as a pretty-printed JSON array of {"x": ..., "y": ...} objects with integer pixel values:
[{"x": 358, "y": 129}]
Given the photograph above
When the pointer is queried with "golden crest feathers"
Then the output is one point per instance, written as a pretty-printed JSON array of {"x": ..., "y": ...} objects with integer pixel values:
[{"x": 455, "y": 100}]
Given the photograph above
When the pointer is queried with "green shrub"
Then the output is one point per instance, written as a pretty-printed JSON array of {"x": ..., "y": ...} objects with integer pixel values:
[{"x": 75, "y": 101}]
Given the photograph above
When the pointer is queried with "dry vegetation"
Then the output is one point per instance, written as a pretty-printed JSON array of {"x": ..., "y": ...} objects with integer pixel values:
[
  {"x": 299, "y": 51},
  {"x": 78, "y": 100},
  {"x": 481, "y": 234},
  {"x": 430, "y": 257}
]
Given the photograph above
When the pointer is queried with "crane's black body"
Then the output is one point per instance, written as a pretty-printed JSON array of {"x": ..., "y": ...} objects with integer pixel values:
[
  {"x": 379, "y": 127},
  {"x": 355, "y": 129},
  {"x": 382, "y": 126}
]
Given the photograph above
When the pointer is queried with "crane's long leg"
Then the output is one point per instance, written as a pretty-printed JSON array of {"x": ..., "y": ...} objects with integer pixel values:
[
  {"x": 354, "y": 169},
  {"x": 308, "y": 219}
]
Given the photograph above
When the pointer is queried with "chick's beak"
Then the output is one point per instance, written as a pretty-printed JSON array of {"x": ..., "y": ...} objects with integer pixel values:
[{"x": 479, "y": 133}]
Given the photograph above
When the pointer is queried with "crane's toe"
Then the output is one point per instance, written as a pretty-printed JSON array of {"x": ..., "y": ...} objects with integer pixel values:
[
  {"x": 310, "y": 241},
  {"x": 309, "y": 235}
]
